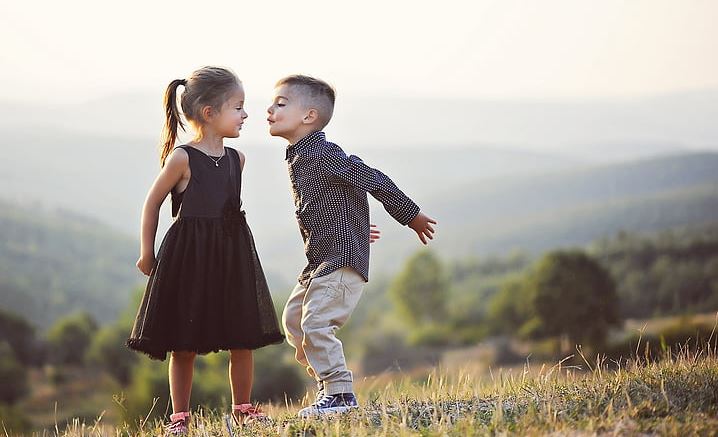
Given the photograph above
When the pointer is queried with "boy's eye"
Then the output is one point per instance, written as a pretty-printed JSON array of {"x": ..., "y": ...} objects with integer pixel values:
[
  {"x": 239, "y": 108},
  {"x": 281, "y": 105}
]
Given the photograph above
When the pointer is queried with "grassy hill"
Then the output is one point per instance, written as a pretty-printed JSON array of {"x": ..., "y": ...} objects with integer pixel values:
[
  {"x": 674, "y": 397},
  {"x": 54, "y": 262}
]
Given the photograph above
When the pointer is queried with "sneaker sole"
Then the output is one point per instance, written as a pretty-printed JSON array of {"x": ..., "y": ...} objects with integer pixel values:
[{"x": 325, "y": 411}]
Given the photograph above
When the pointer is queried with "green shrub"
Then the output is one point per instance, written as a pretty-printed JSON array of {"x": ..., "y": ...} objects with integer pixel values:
[{"x": 13, "y": 377}]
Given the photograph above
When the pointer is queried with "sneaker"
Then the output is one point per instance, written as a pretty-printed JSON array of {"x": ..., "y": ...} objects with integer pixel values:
[
  {"x": 178, "y": 423},
  {"x": 245, "y": 414},
  {"x": 330, "y": 404}
]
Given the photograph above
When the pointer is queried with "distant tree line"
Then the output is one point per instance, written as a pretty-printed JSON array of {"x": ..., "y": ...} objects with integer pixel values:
[{"x": 574, "y": 296}]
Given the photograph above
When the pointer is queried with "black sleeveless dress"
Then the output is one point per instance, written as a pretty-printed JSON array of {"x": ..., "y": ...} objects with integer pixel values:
[{"x": 207, "y": 291}]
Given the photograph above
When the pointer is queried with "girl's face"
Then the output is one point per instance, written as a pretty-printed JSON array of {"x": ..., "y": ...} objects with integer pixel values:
[{"x": 229, "y": 121}]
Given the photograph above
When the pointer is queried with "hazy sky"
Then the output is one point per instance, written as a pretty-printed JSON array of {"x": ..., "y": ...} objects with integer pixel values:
[{"x": 80, "y": 50}]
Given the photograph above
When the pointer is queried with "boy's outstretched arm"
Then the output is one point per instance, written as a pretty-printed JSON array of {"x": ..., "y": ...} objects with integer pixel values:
[{"x": 351, "y": 170}]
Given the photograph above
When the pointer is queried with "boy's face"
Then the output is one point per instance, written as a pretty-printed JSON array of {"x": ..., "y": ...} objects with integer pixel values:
[{"x": 286, "y": 114}]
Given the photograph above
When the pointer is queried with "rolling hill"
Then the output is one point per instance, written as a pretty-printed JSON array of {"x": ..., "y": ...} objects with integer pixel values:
[
  {"x": 55, "y": 262},
  {"x": 570, "y": 208}
]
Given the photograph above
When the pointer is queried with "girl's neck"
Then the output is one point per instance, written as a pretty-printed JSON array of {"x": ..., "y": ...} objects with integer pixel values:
[{"x": 208, "y": 142}]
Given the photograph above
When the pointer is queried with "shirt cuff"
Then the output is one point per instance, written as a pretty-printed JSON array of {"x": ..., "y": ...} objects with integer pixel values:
[{"x": 406, "y": 213}]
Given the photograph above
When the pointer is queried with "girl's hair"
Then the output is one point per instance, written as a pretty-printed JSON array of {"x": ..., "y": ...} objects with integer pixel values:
[{"x": 208, "y": 86}]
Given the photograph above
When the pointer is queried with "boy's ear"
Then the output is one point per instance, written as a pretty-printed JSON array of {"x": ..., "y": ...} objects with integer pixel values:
[{"x": 311, "y": 116}]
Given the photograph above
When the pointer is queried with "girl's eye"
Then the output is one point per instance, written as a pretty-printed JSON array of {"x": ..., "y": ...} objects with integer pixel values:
[
  {"x": 239, "y": 108},
  {"x": 281, "y": 105}
]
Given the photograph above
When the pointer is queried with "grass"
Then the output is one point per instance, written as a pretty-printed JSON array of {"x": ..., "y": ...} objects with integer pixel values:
[{"x": 674, "y": 396}]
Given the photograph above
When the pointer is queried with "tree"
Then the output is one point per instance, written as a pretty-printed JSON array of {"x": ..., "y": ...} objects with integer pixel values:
[
  {"x": 510, "y": 308},
  {"x": 420, "y": 290},
  {"x": 13, "y": 377},
  {"x": 573, "y": 296},
  {"x": 108, "y": 350},
  {"x": 20, "y": 335},
  {"x": 70, "y": 337}
]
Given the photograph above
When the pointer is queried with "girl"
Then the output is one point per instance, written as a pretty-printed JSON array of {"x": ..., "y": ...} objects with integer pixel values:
[{"x": 206, "y": 289}]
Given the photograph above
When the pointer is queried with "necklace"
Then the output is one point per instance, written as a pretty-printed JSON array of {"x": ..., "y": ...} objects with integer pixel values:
[{"x": 216, "y": 161}]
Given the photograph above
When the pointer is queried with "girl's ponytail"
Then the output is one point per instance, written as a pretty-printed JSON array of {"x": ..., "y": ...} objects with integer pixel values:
[
  {"x": 172, "y": 120},
  {"x": 208, "y": 86}
]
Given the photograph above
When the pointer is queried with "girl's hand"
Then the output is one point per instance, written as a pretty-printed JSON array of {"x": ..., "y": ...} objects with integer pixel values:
[
  {"x": 145, "y": 264},
  {"x": 374, "y": 234},
  {"x": 422, "y": 226}
]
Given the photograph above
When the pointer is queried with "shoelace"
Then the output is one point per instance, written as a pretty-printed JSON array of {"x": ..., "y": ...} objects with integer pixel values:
[
  {"x": 249, "y": 412},
  {"x": 329, "y": 400},
  {"x": 319, "y": 395},
  {"x": 177, "y": 428},
  {"x": 178, "y": 423}
]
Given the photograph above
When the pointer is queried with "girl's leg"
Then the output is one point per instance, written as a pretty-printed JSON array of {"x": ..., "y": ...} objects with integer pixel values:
[
  {"x": 241, "y": 372},
  {"x": 181, "y": 370}
]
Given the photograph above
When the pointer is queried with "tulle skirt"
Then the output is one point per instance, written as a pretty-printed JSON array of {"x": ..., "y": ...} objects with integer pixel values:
[{"x": 207, "y": 292}]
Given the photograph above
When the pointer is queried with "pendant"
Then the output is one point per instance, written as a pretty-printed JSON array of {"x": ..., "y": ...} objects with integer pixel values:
[{"x": 216, "y": 164}]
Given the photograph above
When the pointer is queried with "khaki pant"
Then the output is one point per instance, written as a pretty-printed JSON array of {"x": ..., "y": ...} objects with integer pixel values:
[{"x": 311, "y": 318}]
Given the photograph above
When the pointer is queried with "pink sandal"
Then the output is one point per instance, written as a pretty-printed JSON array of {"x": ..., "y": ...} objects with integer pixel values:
[
  {"x": 178, "y": 423},
  {"x": 248, "y": 413}
]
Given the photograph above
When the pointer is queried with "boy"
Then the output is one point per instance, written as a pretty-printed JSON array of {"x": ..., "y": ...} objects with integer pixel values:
[{"x": 330, "y": 195}]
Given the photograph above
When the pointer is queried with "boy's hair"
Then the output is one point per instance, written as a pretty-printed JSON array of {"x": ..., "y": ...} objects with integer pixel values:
[
  {"x": 208, "y": 86},
  {"x": 315, "y": 93}
]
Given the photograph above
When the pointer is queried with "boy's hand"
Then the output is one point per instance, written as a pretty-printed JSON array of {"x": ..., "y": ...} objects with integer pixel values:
[
  {"x": 374, "y": 234},
  {"x": 145, "y": 264},
  {"x": 422, "y": 226}
]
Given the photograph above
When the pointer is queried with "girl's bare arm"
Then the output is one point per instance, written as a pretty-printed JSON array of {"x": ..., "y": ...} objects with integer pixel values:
[{"x": 175, "y": 170}]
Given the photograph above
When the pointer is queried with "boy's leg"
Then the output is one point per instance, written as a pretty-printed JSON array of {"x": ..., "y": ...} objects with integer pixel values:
[
  {"x": 328, "y": 303},
  {"x": 291, "y": 321}
]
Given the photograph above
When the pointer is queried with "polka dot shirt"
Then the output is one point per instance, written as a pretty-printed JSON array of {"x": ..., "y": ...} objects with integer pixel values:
[{"x": 330, "y": 195}]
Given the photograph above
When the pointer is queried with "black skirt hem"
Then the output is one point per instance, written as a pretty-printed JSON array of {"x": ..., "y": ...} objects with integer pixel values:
[{"x": 157, "y": 352}]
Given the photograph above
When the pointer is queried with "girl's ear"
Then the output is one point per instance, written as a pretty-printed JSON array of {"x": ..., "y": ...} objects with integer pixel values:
[
  {"x": 207, "y": 113},
  {"x": 311, "y": 116}
]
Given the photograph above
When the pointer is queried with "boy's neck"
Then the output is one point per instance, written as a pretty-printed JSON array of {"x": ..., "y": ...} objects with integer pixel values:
[{"x": 294, "y": 139}]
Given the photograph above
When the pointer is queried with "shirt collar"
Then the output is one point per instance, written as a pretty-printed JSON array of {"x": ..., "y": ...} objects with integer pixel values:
[{"x": 310, "y": 142}]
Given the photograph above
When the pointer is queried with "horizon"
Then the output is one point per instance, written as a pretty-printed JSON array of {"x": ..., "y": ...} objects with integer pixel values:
[{"x": 677, "y": 120}]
